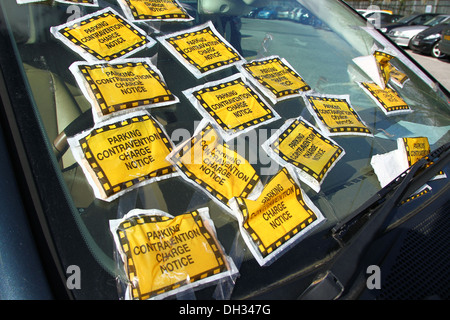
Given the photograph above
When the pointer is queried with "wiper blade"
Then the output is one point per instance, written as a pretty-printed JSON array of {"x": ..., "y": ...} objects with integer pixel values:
[
  {"x": 369, "y": 221},
  {"x": 428, "y": 167}
]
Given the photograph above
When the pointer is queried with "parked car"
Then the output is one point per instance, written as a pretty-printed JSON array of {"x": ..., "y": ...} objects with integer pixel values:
[
  {"x": 323, "y": 224},
  {"x": 283, "y": 12},
  {"x": 412, "y": 20},
  {"x": 429, "y": 40},
  {"x": 444, "y": 46},
  {"x": 403, "y": 35}
]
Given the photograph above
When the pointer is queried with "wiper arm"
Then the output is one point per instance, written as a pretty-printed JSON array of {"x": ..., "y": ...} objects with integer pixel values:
[{"x": 332, "y": 283}]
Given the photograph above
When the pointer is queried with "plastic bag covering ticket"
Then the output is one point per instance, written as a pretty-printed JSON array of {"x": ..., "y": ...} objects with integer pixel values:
[
  {"x": 164, "y": 255},
  {"x": 335, "y": 115},
  {"x": 304, "y": 148},
  {"x": 102, "y": 35},
  {"x": 201, "y": 49},
  {"x": 208, "y": 163},
  {"x": 154, "y": 10},
  {"x": 233, "y": 105},
  {"x": 386, "y": 99},
  {"x": 390, "y": 165},
  {"x": 124, "y": 85},
  {"x": 280, "y": 217},
  {"x": 275, "y": 77},
  {"x": 123, "y": 153}
]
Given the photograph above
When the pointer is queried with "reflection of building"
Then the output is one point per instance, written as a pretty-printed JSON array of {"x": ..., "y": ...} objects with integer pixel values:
[{"x": 405, "y": 7}]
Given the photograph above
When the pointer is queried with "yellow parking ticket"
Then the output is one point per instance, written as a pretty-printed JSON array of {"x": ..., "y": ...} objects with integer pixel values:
[
  {"x": 154, "y": 10},
  {"x": 335, "y": 115},
  {"x": 387, "y": 99},
  {"x": 122, "y": 86},
  {"x": 277, "y": 219},
  {"x": 275, "y": 77},
  {"x": 93, "y": 3},
  {"x": 164, "y": 255},
  {"x": 300, "y": 145},
  {"x": 201, "y": 49},
  {"x": 397, "y": 77},
  {"x": 415, "y": 148},
  {"x": 103, "y": 35},
  {"x": 208, "y": 163},
  {"x": 383, "y": 59},
  {"x": 123, "y": 153},
  {"x": 233, "y": 105}
]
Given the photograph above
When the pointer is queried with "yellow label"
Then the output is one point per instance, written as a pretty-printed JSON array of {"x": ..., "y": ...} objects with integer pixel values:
[
  {"x": 80, "y": 1},
  {"x": 304, "y": 147},
  {"x": 384, "y": 65},
  {"x": 203, "y": 49},
  {"x": 277, "y": 215},
  {"x": 416, "y": 148},
  {"x": 164, "y": 253},
  {"x": 105, "y": 36},
  {"x": 118, "y": 87},
  {"x": 126, "y": 153},
  {"x": 233, "y": 105},
  {"x": 397, "y": 75},
  {"x": 277, "y": 77},
  {"x": 156, "y": 9},
  {"x": 211, "y": 164},
  {"x": 388, "y": 99},
  {"x": 447, "y": 37},
  {"x": 337, "y": 115}
]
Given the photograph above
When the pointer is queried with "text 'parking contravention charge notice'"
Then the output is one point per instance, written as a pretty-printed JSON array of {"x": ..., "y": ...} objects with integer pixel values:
[
  {"x": 103, "y": 35},
  {"x": 165, "y": 254},
  {"x": 120, "y": 155}
]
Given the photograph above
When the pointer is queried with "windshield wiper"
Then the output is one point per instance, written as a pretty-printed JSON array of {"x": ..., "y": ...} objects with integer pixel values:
[{"x": 361, "y": 228}]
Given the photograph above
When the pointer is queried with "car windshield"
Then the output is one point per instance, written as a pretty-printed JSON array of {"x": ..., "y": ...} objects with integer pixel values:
[
  {"x": 299, "y": 102},
  {"x": 436, "y": 20}
]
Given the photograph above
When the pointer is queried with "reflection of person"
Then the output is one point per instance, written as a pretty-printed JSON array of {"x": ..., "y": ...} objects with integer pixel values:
[
  {"x": 232, "y": 27},
  {"x": 228, "y": 16}
]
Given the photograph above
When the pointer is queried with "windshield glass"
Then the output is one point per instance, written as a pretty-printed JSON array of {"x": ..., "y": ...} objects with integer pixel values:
[{"x": 317, "y": 94}]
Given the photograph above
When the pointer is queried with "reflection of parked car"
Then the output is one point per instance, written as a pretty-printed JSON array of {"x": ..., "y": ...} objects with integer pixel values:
[
  {"x": 254, "y": 12},
  {"x": 444, "y": 46},
  {"x": 412, "y": 20},
  {"x": 267, "y": 13},
  {"x": 428, "y": 41},
  {"x": 403, "y": 35},
  {"x": 296, "y": 13},
  {"x": 283, "y": 13}
]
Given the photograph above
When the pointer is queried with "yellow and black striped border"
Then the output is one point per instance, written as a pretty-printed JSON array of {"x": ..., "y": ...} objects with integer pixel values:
[
  {"x": 107, "y": 187},
  {"x": 266, "y": 250},
  {"x": 383, "y": 69},
  {"x": 140, "y": 16},
  {"x": 131, "y": 267},
  {"x": 278, "y": 94},
  {"x": 198, "y": 95},
  {"x": 99, "y": 96},
  {"x": 382, "y": 103},
  {"x": 198, "y": 180},
  {"x": 318, "y": 176},
  {"x": 172, "y": 42},
  {"x": 66, "y": 33},
  {"x": 361, "y": 129}
]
